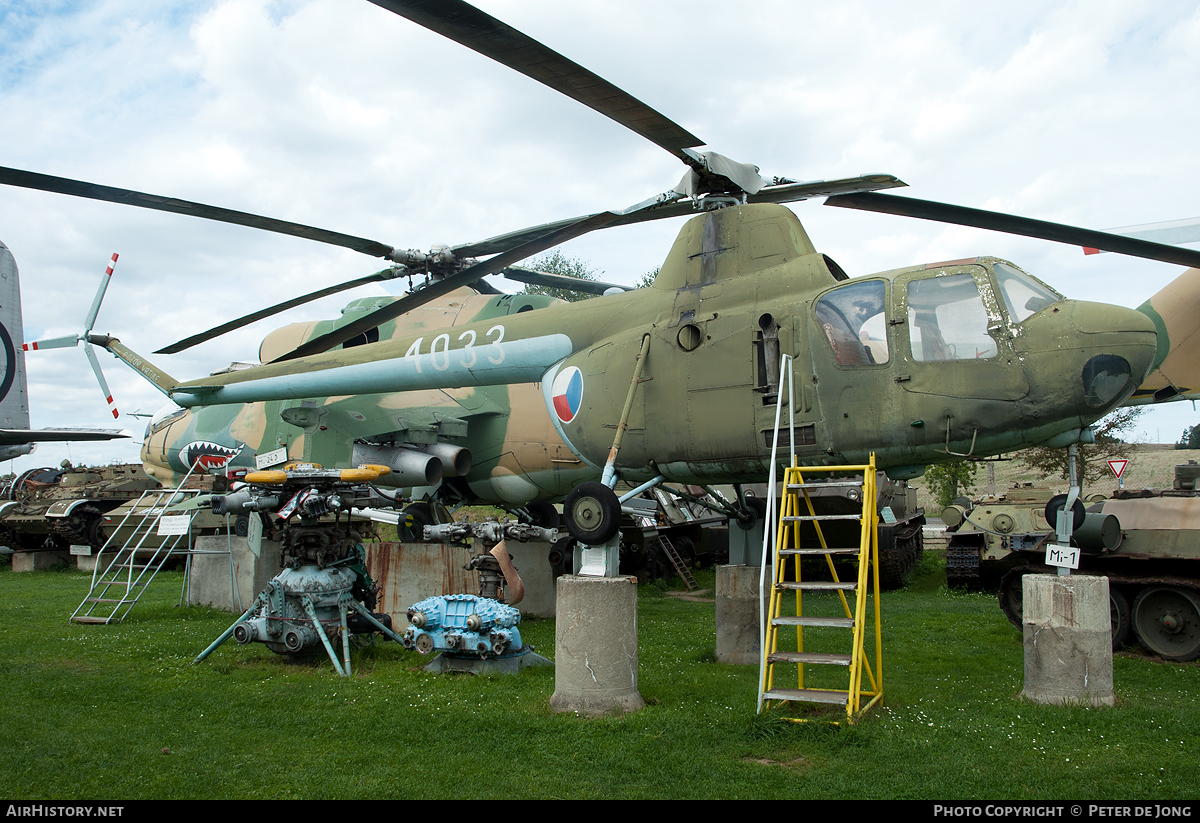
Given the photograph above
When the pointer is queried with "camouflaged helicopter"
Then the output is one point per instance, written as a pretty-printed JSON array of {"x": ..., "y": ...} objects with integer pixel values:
[{"x": 515, "y": 399}]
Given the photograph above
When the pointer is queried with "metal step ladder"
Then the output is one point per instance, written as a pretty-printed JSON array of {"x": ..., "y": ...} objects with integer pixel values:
[
  {"x": 123, "y": 571},
  {"x": 852, "y": 617},
  {"x": 678, "y": 562}
]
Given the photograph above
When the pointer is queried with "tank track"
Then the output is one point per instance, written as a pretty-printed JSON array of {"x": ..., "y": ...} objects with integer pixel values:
[
  {"x": 898, "y": 563},
  {"x": 962, "y": 566},
  {"x": 75, "y": 528}
]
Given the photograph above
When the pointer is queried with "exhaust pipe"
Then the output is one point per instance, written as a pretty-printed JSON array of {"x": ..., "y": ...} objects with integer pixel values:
[
  {"x": 409, "y": 467},
  {"x": 456, "y": 460}
]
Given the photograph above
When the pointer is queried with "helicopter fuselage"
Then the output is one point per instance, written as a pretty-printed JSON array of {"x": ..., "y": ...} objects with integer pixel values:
[{"x": 917, "y": 365}]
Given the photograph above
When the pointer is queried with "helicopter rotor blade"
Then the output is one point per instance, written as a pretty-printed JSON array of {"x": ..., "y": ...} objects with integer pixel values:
[
  {"x": 93, "y": 191},
  {"x": 104, "y": 281},
  {"x": 448, "y": 284},
  {"x": 246, "y": 320},
  {"x": 1010, "y": 224},
  {"x": 91, "y": 356},
  {"x": 68, "y": 342},
  {"x": 482, "y": 33},
  {"x": 558, "y": 281}
]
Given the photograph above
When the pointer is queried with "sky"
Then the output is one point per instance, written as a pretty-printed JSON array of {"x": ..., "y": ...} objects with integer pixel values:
[{"x": 339, "y": 114}]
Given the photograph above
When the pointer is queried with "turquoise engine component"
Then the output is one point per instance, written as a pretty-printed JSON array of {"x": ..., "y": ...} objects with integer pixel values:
[{"x": 463, "y": 625}]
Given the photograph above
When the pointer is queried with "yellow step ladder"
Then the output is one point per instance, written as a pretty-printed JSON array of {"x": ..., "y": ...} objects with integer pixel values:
[{"x": 797, "y": 509}]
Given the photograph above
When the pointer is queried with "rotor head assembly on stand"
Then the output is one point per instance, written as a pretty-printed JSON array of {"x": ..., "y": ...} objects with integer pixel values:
[{"x": 324, "y": 588}]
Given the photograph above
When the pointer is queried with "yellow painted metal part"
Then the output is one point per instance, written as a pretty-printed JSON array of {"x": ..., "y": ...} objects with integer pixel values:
[
  {"x": 269, "y": 478},
  {"x": 797, "y": 509}
]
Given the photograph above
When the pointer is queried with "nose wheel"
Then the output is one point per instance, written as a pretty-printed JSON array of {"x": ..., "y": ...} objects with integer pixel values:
[{"x": 592, "y": 512}]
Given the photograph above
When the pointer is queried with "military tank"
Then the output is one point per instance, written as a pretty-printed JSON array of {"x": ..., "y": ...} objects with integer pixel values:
[
  {"x": 1146, "y": 542},
  {"x": 52, "y": 509},
  {"x": 987, "y": 538}
]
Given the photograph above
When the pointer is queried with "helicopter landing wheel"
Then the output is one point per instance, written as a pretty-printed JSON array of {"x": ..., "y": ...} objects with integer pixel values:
[
  {"x": 592, "y": 512},
  {"x": 543, "y": 514},
  {"x": 421, "y": 515},
  {"x": 1167, "y": 622}
]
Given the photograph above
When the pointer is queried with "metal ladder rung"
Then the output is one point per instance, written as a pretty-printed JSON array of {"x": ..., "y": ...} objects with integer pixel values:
[
  {"x": 828, "y": 622},
  {"x": 797, "y": 518},
  {"x": 836, "y": 698},
  {"x": 815, "y": 552},
  {"x": 817, "y": 586},
  {"x": 104, "y": 600},
  {"x": 89, "y": 619},
  {"x": 810, "y": 657},
  {"x": 830, "y": 484}
]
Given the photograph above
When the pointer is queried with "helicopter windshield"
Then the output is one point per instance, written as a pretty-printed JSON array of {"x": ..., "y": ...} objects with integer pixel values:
[
  {"x": 853, "y": 319},
  {"x": 1023, "y": 296},
  {"x": 164, "y": 417},
  {"x": 947, "y": 321}
]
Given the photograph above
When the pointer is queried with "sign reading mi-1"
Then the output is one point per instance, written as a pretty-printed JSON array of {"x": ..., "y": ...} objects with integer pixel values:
[{"x": 512, "y": 399}]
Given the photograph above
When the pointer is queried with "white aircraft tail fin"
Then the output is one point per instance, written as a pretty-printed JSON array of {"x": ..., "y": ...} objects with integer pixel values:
[{"x": 14, "y": 396}]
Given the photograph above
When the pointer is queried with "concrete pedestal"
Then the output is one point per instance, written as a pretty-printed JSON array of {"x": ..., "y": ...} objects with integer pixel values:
[
  {"x": 596, "y": 646},
  {"x": 36, "y": 561},
  {"x": 209, "y": 582},
  {"x": 1068, "y": 639},
  {"x": 738, "y": 609}
]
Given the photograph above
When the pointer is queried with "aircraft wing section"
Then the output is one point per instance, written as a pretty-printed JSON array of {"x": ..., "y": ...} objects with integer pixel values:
[
  {"x": 489, "y": 362},
  {"x": 12, "y": 437}
]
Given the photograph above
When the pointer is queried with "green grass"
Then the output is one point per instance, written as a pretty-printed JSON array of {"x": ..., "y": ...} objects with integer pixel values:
[{"x": 119, "y": 712}]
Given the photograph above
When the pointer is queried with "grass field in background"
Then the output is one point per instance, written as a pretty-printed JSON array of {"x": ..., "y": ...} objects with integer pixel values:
[{"x": 119, "y": 712}]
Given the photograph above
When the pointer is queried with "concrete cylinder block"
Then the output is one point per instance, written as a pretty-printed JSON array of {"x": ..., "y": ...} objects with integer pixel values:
[
  {"x": 596, "y": 646},
  {"x": 738, "y": 608},
  {"x": 1068, "y": 639}
]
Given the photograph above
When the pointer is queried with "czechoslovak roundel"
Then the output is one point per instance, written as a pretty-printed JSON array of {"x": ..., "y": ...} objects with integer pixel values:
[{"x": 567, "y": 393}]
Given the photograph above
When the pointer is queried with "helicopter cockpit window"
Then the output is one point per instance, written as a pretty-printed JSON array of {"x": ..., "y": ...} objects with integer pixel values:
[
  {"x": 164, "y": 417},
  {"x": 1023, "y": 296},
  {"x": 854, "y": 322},
  {"x": 947, "y": 321}
]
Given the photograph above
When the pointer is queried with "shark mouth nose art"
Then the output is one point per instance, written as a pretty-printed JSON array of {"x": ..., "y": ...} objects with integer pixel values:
[{"x": 205, "y": 455}]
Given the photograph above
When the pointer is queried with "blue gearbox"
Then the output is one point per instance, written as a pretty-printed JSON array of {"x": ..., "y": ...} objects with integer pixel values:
[{"x": 464, "y": 625}]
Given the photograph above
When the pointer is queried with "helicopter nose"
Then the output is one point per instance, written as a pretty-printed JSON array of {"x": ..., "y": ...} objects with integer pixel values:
[{"x": 1119, "y": 345}]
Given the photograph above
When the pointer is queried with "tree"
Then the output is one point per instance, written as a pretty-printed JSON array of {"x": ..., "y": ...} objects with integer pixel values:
[
  {"x": 1092, "y": 459},
  {"x": 944, "y": 480},
  {"x": 648, "y": 278},
  {"x": 558, "y": 263},
  {"x": 1190, "y": 439}
]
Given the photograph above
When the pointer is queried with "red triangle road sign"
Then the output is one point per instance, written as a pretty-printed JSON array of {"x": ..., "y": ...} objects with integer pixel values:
[{"x": 1118, "y": 466}]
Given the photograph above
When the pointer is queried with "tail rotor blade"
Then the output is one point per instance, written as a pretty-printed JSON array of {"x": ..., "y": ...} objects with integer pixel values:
[
  {"x": 91, "y": 356},
  {"x": 104, "y": 281}
]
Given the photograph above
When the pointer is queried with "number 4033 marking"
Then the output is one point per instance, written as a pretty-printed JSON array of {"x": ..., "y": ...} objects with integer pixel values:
[{"x": 439, "y": 349}]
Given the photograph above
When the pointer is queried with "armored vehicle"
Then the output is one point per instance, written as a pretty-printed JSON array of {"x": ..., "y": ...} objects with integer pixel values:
[
  {"x": 55, "y": 508},
  {"x": 1146, "y": 542},
  {"x": 983, "y": 536}
]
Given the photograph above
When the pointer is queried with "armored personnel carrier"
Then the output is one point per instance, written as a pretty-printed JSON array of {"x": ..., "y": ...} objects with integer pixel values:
[{"x": 55, "y": 508}]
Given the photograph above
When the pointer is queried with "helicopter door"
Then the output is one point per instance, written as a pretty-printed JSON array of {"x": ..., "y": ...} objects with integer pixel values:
[
  {"x": 852, "y": 365},
  {"x": 957, "y": 365},
  {"x": 703, "y": 379}
]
